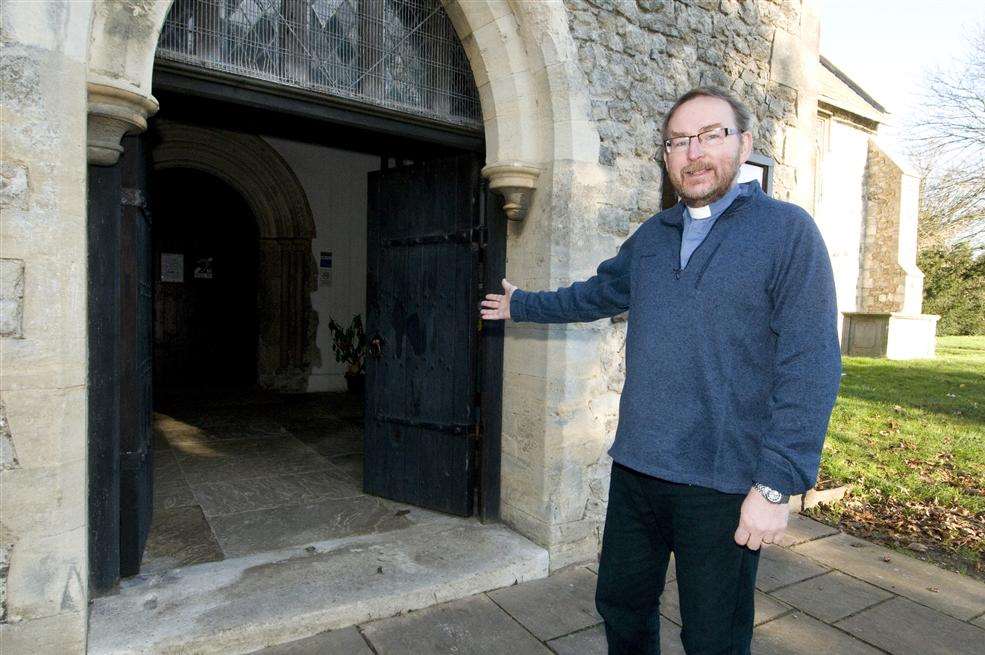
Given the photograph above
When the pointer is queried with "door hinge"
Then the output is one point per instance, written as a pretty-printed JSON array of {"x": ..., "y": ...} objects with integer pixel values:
[
  {"x": 450, "y": 428},
  {"x": 478, "y": 235}
]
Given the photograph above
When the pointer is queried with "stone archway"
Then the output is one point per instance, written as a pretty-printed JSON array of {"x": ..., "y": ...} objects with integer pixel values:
[
  {"x": 542, "y": 156},
  {"x": 287, "y": 323}
]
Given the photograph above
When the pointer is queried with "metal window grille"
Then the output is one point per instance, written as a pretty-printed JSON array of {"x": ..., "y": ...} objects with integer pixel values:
[{"x": 402, "y": 55}]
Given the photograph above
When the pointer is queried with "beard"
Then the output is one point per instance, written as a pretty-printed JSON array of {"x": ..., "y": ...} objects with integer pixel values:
[{"x": 714, "y": 183}]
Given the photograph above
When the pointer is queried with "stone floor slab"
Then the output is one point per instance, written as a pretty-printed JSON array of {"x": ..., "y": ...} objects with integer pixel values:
[
  {"x": 801, "y": 529},
  {"x": 779, "y": 567},
  {"x": 216, "y": 461},
  {"x": 270, "y": 529},
  {"x": 179, "y": 537},
  {"x": 240, "y": 605},
  {"x": 165, "y": 468},
  {"x": 960, "y": 596},
  {"x": 832, "y": 596},
  {"x": 554, "y": 606},
  {"x": 351, "y": 465},
  {"x": 333, "y": 445},
  {"x": 799, "y": 634},
  {"x": 170, "y": 489},
  {"x": 173, "y": 495},
  {"x": 980, "y": 621},
  {"x": 902, "y": 627},
  {"x": 473, "y": 625},
  {"x": 234, "y": 496},
  {"x": 767, "y": 608},
  {"x": 591, "y": 641},
  {"x": 346, "y": 641}
]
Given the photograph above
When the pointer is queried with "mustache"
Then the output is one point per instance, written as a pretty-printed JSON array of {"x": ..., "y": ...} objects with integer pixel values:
[{"x": 695, "y": 168}]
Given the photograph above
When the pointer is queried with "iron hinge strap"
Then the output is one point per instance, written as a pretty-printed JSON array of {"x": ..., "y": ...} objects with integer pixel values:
[
  {"x": 451, "y": 428},
  {"x": 478, "y": 235}
]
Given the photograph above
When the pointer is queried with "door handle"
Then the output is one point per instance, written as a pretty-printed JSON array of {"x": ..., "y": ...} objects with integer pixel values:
[{"x": 376, "y": 346}]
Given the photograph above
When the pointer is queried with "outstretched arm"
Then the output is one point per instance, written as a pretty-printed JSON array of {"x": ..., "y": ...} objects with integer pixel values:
[{"x": 604, "y": 294}]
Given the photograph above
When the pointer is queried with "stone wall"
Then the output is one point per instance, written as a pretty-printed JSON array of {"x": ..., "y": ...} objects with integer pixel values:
[
  {"x": 43, "y": 523},
  {"x": 636, "y": 58},
  {"x": 889, "y": 280}
]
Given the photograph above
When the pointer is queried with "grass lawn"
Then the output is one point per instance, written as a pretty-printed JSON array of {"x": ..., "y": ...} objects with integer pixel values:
[{"x": 910, "y": 437}]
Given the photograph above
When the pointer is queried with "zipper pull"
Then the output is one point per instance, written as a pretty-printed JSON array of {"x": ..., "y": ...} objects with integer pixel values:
[{"x": 677, "y": 273}]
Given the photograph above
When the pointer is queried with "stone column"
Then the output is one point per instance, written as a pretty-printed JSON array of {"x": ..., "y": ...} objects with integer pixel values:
[
  {"x": 286, "y": 321},
  {"x": 43, "y": 351}
]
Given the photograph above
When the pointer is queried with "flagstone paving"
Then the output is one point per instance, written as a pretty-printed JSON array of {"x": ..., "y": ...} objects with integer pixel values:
[{"x": 821, "y": 592}]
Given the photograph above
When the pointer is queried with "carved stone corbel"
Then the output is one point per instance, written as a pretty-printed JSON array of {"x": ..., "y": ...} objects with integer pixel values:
[
  {"x": 515, "y": 181},
  {"x": 114, "y": 113}
]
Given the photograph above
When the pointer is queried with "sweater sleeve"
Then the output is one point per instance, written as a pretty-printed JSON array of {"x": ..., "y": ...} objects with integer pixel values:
[
  {"x": 604, "y": 294},
  {"x": 807, "y": 363}
]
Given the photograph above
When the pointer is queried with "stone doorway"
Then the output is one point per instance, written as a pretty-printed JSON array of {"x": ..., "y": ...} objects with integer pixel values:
[
  {"x": 248, "y": 466},
  {"x": 243, "y": 472}
]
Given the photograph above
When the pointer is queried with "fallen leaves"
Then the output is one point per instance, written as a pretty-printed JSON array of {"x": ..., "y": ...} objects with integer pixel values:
[{"x": 921, "y": 526}]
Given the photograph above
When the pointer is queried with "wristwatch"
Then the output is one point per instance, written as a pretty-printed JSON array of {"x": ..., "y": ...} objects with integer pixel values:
[{"x": 770, "y": 494}]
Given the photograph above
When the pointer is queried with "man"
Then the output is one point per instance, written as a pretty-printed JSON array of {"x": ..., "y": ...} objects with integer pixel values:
[{"x": 732, "y": 368}]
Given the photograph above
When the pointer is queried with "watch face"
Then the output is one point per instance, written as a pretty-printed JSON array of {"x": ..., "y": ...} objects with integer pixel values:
[{"x": 773, "y": 496}]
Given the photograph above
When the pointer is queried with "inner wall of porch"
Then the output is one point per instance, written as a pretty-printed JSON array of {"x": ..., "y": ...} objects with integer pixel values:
[{"x": 240, "y": 471}]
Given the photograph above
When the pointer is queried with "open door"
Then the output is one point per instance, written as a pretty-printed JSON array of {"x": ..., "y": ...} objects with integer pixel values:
[
  {"x": 425, "y": 238},
  {"x": 120, "y": 339},
  {"x": 136, "y": 361}
]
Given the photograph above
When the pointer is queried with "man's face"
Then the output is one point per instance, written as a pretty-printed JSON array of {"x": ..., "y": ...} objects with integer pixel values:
[{"x": 703, "y": 174}]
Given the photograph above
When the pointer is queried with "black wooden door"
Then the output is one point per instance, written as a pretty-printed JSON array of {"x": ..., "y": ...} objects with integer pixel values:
[
  {"x": 120, "y": 337},
  {"x": 136, "y": 322},
  {"x": 424, "y": 241}
]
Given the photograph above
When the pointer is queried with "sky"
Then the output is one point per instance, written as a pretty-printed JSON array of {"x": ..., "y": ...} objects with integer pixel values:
[{"x": 887, "y": 46}]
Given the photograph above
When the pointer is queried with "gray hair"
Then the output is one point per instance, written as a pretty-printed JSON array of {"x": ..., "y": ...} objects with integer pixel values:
[{"x": 743, "y": 117}]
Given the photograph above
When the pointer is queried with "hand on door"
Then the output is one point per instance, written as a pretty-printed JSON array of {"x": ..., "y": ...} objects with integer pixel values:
[{"x": 497, "y": 307}]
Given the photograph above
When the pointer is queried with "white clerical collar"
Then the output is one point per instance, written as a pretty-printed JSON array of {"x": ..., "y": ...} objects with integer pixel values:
[
  {"x": 699, "y": 213},
  {"x": 717, "y": 207}
]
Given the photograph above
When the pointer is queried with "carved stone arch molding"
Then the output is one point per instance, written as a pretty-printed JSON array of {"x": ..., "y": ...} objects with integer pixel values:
[
  {"x": 534, "y": 102},
  {"x": 287, "y": 323}
]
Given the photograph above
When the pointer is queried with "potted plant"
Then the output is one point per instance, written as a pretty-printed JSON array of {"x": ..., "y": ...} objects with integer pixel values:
[{"x": 349, "y": 345}]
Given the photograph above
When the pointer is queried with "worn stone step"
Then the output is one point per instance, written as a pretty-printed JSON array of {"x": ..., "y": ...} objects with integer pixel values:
[{"x": 244, "y": 604}]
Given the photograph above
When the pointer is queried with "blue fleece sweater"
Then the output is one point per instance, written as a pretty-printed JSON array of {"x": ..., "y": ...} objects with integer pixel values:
[{"x": 732, "y": 364}]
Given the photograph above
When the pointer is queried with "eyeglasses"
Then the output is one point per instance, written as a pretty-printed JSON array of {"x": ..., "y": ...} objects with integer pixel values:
[{"x": 708, "y": 139}]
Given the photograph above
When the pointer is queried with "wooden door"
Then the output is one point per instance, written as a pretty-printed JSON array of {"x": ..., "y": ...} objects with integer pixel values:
[
  {"x": 136, "y": 360},
  {"x": 120, "y": 340},
  {"x": 425, "y": 236}
]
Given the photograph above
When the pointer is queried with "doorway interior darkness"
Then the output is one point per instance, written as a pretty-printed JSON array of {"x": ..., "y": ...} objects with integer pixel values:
[
  {"x": 205, "y": 306},
  {"x": 395, "y": 142}
]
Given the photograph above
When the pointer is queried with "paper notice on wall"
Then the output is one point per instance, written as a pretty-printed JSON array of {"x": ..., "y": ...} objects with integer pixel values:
[
  {"x": 325, "y": 269},
  {"x": 172, "y": 267},
  {"x": 203, "y": 268}
]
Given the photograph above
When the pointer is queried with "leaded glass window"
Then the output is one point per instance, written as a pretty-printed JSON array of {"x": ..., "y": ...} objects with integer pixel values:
[{"x": 397, "y": 54}]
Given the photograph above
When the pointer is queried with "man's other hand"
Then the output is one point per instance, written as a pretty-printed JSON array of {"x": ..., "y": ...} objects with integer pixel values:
[
  {"x": 760, "y": 521},
  {"x": 497, "y": 307}
]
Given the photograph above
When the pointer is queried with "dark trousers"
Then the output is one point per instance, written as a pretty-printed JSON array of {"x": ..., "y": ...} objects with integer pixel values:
[{"x": 647, "y": 519}]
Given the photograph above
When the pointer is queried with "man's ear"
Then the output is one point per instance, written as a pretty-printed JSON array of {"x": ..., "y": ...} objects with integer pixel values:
[{"x": 746, "y": 145}]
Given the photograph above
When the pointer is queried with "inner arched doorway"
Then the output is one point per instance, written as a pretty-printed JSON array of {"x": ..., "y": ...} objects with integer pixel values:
[{"x": 205, "y": 244}]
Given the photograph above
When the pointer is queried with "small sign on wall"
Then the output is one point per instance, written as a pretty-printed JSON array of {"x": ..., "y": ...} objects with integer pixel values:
[
  {"x": 172, "y": 267},
  {"x": 203, "y": 268},
  {"x": 325, "y": 268}
]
